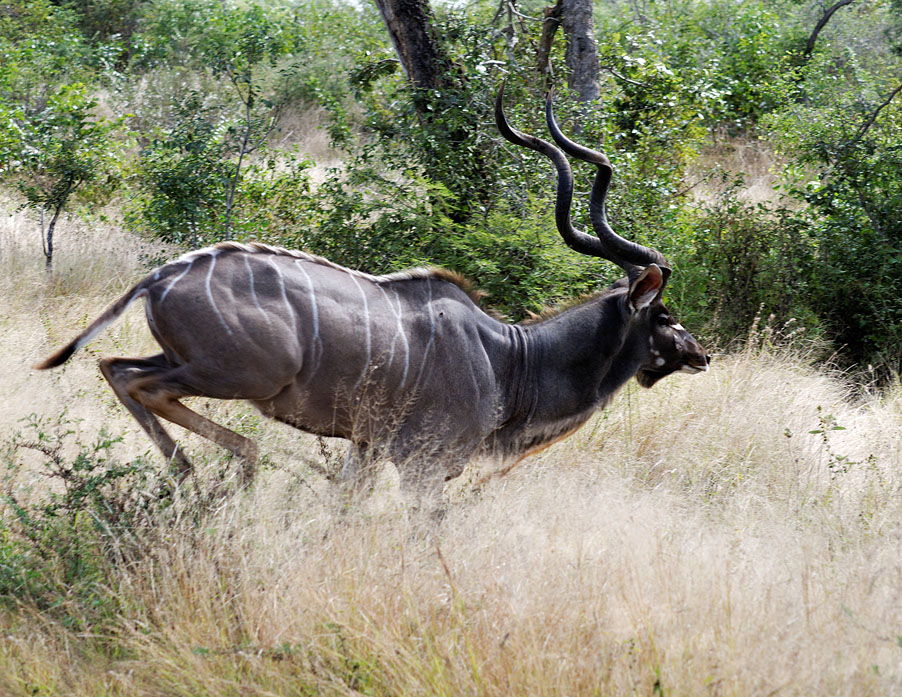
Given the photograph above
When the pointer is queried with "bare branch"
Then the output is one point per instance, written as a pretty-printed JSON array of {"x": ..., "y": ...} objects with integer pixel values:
[
  {"x": 516, "y": 12},
  {"x": 623, "y": 78},
  {"x": 828, "y": 13},
  {"x": 873, "y": 117}
]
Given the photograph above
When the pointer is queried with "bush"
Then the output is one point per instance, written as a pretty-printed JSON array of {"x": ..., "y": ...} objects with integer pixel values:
[
  {"x": 184, "y": 175},
  {"x": 846, "y": 137},
  {"x": 69, "y": 520},
  {"x": 736, "y": 261}
]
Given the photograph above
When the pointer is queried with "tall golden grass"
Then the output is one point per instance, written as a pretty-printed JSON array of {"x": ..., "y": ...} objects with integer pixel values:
[{"x": 693, "y": 539}]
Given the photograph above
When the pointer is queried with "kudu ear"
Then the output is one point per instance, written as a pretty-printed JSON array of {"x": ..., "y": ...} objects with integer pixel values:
[{"x": 648, "y": 285}]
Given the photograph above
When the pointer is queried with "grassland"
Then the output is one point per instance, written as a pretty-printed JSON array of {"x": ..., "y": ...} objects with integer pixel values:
[{"x": 737, "y": 533}]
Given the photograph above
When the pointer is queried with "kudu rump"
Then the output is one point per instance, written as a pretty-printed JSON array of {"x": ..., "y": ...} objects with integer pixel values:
[{"x": 405, "y": 366}]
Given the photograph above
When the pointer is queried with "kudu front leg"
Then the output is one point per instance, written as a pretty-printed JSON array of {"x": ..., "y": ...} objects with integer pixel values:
[{"x": 422, "y": 484}]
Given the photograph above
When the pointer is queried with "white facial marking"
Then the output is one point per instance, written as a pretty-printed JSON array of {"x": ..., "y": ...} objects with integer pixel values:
[
  {"x": 210, "y": 293},
  {"x": 655, "y": 352},
  {"x": 678, "y": 327},
  {"x": 659, "y": 362}
]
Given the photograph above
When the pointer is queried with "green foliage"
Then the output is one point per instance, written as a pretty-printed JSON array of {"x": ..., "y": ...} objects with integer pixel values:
[
  {"x": 738, "y": 56},
  {"x": 184, "y": 175},
  {"x": 190, "y": 172},
  {"x": 39, "y": 45},
  {"x": 56, "y": 149},
  {"x": 68, "y": 519},
  {"x": 736, "y": 261},
  {"x": 107, "y": 24},
  {"x": 274, "y": 196},
  {"x": 847, "y": 134},
  {"x": 52, "y": 142},
  {"x": 61, "y": 147},
  {"x": 39, "y": 51}
]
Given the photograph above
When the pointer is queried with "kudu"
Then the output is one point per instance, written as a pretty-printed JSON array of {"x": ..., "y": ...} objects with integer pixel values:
[{"x": 405, "y": 366}]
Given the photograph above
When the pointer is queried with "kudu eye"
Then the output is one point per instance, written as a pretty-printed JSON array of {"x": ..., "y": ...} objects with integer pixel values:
[{"x": 663, "y": 321}]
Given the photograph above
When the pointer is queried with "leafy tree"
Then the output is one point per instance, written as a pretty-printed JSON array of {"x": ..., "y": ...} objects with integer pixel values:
[
  {"x": 193, "y": 169},
  {"x": 52, "y": 142},
  {"x": 241, "y": 45},
  {"x": 184, "y": 175},
  {"x": 855, "y": 194},
  {"x": 64, "y": 148}
]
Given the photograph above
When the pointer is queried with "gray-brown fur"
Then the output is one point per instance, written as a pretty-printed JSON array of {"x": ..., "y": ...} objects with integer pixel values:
[{"x": 404, "y": 365}]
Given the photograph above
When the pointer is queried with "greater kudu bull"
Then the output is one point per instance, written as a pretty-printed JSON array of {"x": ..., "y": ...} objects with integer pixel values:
[{"x": 405, "y": 365}]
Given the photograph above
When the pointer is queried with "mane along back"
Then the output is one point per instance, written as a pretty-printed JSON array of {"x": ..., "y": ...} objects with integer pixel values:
[{"x": 416, "y": 273}]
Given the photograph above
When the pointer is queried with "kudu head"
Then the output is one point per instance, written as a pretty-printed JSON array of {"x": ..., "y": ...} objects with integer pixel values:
[{"x": 659, "y": 341}]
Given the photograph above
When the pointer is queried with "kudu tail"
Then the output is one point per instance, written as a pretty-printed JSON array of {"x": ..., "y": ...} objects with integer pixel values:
[{"x": 93, "y": 329}]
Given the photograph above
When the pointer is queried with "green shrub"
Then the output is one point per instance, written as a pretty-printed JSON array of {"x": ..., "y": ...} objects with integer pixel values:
[
  {"x": 183, "y": 175},
  {"x": 736, "y": 261},
  {"x": 69, "y": 520},
  {"x": 846, "y": 136}
]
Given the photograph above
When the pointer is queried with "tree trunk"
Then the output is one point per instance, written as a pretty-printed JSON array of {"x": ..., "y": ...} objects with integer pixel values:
[
  {"x": 48, "y": 245},
  {"x": 550, "y": 24},
  {"x": 582, "y": 51},
  {"x": 409, "y": 24},
  {"x": 437, "y": 84}
]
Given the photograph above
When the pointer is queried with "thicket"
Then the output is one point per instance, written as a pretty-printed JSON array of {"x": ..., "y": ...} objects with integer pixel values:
[{"x": 173, "y": 107}]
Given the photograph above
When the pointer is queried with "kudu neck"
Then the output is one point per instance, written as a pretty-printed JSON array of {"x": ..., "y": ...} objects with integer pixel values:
[{"x": 590, "y": 347}]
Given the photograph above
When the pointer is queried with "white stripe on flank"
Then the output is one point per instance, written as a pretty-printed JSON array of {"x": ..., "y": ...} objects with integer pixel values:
[
  {"x": 176, "y": 280},
  {"x": 399, "y": 332},
  {"x": 316, "y": 342},
  {"x": 210, "y": 293},
  {"x": 291, "y": 312},
  {"x": 313, "y": 305},
  {"x": 431, "y": 334},
  {"x": 250, "y": 273},
  {"x": 369, "y": 337}
]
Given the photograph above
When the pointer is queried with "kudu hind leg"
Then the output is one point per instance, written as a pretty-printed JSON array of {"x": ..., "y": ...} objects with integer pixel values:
[
  {"x": 160, "y": 393},
  {"x": 118, "y": 372},
  {"x": 149, "y": 388}
]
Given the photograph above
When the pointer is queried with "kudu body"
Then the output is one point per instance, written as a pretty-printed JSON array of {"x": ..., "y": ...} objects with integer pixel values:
[{"x": 406, "y": 365}]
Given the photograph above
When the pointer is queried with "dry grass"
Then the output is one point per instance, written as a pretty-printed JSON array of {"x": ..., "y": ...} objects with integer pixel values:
[
  {"x": 755, "y": 160},
  {"x": 694, "y": 539},
  {"x": 305, "y": 128}
]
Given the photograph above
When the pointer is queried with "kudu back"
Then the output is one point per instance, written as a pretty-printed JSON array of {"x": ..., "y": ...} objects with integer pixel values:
[{"x": 405, "y": 366}]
